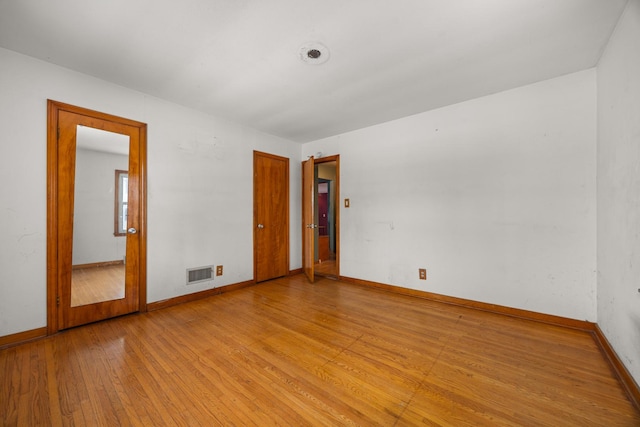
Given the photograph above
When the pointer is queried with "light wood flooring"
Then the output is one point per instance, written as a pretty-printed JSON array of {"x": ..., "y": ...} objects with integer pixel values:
[
  {"x": 326, "y": 268},
  {"x": 96, "y": 284},
  {"x": 292, "y": 354}
]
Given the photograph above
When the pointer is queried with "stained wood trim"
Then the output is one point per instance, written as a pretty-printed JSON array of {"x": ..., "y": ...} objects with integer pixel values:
[
  {"x": 483, "y": 306},
  {"x": 142, "y": 274},
  {"x": 307, "y": 215},
  {"x": 96, "y": 114},
  {"x": 198, "y": 295},
  {"x": 22, "y": 337},
  {"x": 98, "y": 264},
  {"x": 296, "y": 271},
  {"x": 53, "y": 109},
  {"x": 116, "y": 203},
  {"x": 52, "y": 217},
  {"x": 629, "y": 384}
]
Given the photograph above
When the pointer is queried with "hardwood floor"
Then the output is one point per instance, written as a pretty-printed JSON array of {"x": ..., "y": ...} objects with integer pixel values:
[
  {"x": 96, "y": 284},
  {"x": 326, "y": 268},
  {"x": 288, "y": 353}
]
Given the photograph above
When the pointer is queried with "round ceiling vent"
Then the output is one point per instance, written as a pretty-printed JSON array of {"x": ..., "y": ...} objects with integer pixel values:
[{"x": 314, "y": 53}]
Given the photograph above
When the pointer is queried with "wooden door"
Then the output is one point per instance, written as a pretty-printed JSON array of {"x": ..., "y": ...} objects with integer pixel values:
[
  {"x": 64, "y": 123},
  {"x": 270, "y": 216},
  {"x": 327, "y": 170},
  {"x": 308, "y": 227}
]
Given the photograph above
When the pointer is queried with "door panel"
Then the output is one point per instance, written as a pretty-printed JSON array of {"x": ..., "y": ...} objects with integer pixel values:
[
  {"x": 327, "y": 216},
  {"x": 321, "y": 235},
  {"x": 64, "y": 211},
  {"x": 308, "y": 227},
  {"x": 271, "y": 216}
]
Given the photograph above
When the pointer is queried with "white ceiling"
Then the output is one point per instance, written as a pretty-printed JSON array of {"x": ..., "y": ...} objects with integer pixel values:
[{"x": 240, "y": 59}]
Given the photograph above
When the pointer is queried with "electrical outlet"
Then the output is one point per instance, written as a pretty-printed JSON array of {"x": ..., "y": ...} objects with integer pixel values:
[
  {"x": 219, "y": 270},
  {"x": 422, "y": 272}
]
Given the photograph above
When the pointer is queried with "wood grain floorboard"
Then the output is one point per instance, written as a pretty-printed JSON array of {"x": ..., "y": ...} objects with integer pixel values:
[
  {"x": 292, "y": 354},
  {"x": 96, "y": 284}
]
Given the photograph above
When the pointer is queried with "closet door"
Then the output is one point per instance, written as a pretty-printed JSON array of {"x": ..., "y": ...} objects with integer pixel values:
[
  {"x": 270, "y": 216},
  {"x": 308, "y": 226}
]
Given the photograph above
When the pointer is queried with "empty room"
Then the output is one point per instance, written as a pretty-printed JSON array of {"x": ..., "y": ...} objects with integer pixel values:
[{"x": 299, "y": 212}]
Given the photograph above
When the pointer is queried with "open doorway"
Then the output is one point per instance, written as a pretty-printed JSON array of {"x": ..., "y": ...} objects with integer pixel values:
[{"x": 326, "y": 216}]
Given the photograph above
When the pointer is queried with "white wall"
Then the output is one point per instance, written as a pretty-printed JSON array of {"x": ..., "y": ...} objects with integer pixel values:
[
  {"x": 494, "y": 196},
  {"x": 619, "y": 190},
  {"x": 94, "y": 199},
  {"x": 200, "y": 180}
]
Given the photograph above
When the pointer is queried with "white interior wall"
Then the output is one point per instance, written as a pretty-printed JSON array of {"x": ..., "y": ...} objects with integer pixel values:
[
  {"x": 494, "y": 196},
  {"x": 94, "y": 199},
  {"x": 200, "y": 180},
  {"x": 619, "y": 190}
]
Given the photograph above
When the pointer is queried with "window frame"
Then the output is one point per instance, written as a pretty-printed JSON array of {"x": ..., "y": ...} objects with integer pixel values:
[{"x": 120, "y": 205}]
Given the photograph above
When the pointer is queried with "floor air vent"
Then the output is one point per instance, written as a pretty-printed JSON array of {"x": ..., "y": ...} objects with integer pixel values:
[{"x": 200, "y": 274}]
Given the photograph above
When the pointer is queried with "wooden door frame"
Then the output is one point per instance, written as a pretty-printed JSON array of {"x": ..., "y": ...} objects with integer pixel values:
[
  {"x": 327, "y": 159},
  {"x": 53, "y": 287},
  {"x": 308, "y": 208},
  {"x": 257, "y": 153}
]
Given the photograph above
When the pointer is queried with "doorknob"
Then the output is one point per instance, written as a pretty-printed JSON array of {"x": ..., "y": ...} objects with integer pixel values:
[
  {"x": 132, "y": 230},
  {"x": 260, "y": 226}
]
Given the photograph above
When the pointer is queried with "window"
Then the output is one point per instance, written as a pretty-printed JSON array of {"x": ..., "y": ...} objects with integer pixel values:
[{"x": 122, "y": 194}]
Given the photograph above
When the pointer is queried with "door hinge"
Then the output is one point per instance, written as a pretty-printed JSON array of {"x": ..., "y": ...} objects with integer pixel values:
[
  {"x": 58, "y": 132},
  {"x": 58, "y": 301}
]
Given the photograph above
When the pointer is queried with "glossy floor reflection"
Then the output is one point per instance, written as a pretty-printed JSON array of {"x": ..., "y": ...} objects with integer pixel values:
[{"x": 286, "y": 352}]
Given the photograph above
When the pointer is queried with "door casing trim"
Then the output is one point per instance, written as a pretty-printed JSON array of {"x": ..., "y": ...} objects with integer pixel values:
[{"x": 53, "y": 108}]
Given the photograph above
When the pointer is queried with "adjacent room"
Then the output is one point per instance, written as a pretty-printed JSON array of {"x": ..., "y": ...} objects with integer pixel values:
[{"x": 371, "y": 212}]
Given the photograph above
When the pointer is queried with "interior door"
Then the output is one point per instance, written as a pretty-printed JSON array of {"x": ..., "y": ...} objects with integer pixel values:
[
  {"x": 271, "y": 216},
  {"x": 308, "y": 226},
  {"x": 327, "y": 192},
  {"x": 95, "y": 288}
]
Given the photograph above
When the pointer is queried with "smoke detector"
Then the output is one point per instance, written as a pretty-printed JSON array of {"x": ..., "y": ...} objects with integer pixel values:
[{"x": 314, "y": 53}]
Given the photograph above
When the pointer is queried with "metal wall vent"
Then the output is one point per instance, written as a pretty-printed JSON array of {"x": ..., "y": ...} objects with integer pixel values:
[{"x": 200, "y": 274}]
